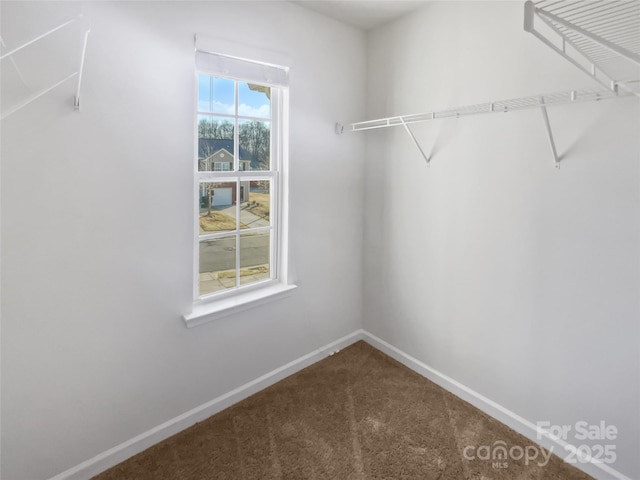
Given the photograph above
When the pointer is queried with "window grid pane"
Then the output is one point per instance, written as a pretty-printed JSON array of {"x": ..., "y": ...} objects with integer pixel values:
[
  {"x": 216, "y": 143},
  {"x": 254, "y": 139},
  {"x": 255, "y": 257},
  {"x": 217, "y": 267},
  {"x": 237, "y": 139}
]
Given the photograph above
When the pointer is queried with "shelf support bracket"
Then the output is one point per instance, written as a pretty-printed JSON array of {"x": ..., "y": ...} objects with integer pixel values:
[
  {"x": 76, "y": 100},
  {"x": 15, "y": 65},
  {"x": 39, "y": 37},
  {"x": 552, "y": 143},
  {"x": 33, "y": 98},
  {"x": 415, "y": 142}
]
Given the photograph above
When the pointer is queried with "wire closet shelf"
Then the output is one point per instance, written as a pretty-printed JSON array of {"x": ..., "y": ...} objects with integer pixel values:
[
  {"x": 600, "y": 37},
  {"x": 9, "y": 55},
  {"x": 501, "y": 106}
]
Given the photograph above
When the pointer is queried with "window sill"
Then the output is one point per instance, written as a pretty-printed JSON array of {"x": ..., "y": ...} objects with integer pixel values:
[{"x": 221, "y": 308}]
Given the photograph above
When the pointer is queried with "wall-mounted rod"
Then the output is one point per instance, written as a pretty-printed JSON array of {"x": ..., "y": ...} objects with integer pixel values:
[
  {"x": 40, "y": 37},
  {"x": 503, "y": 106},
  {"x": 76, "y": 101},
  {"x": 13, "y": 110}
]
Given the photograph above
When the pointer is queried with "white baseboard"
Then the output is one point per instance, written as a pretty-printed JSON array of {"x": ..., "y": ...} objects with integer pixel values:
[
  {"x": 598, "y": 470},
  {"x": 119, "y": 453}
]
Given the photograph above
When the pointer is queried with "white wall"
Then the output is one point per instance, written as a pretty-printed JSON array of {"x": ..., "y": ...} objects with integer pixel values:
[
  {"x": 516, "y": 279},
  {"x": 97, "y": 220}
]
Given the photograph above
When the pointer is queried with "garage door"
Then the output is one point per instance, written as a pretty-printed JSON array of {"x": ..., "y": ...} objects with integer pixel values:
[{"x": 222, "y": 197}]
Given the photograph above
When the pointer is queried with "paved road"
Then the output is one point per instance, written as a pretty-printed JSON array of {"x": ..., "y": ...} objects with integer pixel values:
[{"x": 220, "y": 254}]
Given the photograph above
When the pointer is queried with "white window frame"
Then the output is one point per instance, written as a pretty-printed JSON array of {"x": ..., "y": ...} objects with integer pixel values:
[{"x": 216, "y": 305}]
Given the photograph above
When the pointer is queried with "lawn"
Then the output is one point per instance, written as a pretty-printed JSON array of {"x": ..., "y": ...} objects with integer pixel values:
[
  {"x": 259, "y": 204},
  {"x": 217, "y": 222}
]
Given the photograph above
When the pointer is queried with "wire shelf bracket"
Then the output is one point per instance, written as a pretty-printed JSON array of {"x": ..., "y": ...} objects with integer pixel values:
[
  {"x": 15, "y": 66},
  {"x": 415, "y": 142},
  {"x": 76, "y": 100},
  {"x": 35, "y": 96},
  {"x": 547, "y": 125}
]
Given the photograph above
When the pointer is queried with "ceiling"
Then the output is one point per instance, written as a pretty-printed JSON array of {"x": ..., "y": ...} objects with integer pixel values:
[{"x": 365, "y": 14}]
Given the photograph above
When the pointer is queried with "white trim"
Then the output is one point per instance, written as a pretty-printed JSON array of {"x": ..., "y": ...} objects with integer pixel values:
[
  {"x": 600, "y": 471},
  {"x": 221, "y": 303},
  {"x": 208, "y": 312},
  {"x": 234, "y": 49},
  {"x": 131, "y": 447},
  {"x": 119, "y": 453}
]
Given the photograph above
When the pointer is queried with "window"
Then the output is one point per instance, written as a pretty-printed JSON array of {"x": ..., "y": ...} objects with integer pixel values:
[{"x": 240, "y": 118}]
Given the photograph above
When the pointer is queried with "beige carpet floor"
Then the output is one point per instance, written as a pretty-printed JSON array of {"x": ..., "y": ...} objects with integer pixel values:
[{"x": 355, "y": 415}]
